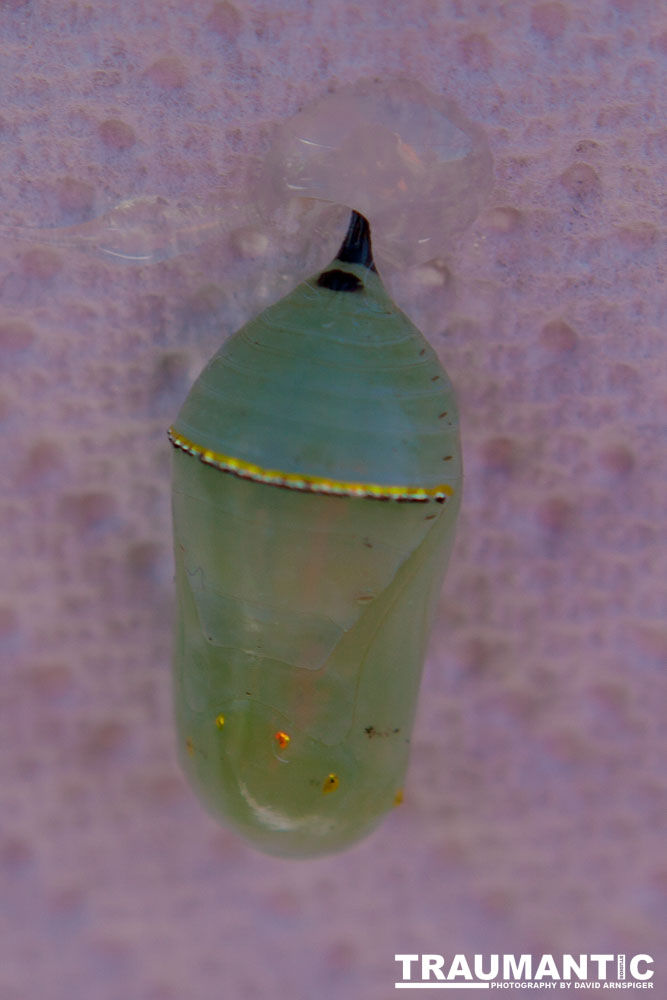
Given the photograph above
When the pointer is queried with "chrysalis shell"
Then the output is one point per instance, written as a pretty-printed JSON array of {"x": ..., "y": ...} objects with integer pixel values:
[{"x": 316, "y": 483}]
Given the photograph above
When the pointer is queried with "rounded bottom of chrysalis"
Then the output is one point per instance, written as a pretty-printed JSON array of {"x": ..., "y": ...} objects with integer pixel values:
[
  {"x": 301, "y": 632},
  {"x": 290, "y": 807}
]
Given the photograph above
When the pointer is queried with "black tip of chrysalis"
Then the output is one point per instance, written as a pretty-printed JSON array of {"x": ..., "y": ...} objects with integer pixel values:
[
  {"x": 339, "y": 281},
  {"x": 355, "y": 249}
]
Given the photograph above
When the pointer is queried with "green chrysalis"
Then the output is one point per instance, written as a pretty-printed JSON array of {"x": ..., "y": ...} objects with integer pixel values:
[{"x": 316, "y": 484}]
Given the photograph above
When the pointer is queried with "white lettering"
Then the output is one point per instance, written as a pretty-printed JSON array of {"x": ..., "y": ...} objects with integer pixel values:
[
  {"x": 570, "y": 965},
  {"x": 479, "y": 967},
  {"x": 517, "y": 970},
  {"x": 634, "y": 967},
  {"x": 512, "y": 968},
  {"x": 432, "y": 963},
  {"x": 602, "y": 961},
  {"x": 459, "y": 967},
  {"x": 547, "y": 967},
  {"x": 407, "y": 961}
]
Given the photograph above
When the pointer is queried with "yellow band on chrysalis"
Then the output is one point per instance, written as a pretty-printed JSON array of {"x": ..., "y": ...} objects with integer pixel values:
[{"x": 311, "y": 484}]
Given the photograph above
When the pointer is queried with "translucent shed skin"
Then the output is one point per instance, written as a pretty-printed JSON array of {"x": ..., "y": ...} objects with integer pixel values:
[{"x": 305, "y": 599}]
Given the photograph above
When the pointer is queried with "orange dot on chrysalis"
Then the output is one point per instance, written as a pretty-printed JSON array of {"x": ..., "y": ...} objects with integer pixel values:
[{"x": 282, "y": 739}]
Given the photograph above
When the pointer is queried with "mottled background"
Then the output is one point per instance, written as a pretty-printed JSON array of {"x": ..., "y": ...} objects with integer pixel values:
[{"x": 534, "y": 816}]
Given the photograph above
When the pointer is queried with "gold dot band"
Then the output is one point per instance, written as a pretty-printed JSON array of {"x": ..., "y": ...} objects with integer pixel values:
[{"x": 309, "y": 484}]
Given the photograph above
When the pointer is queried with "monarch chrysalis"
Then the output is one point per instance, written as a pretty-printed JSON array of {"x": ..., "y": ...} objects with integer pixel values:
[{"x": 316, "y": 483}]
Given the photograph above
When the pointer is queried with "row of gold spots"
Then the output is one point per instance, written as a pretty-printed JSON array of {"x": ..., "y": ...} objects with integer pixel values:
[{"x": 331, "y": 782}]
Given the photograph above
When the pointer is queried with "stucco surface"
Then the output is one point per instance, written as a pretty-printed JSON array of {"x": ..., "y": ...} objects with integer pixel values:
[{"x": 534, "y": 815}]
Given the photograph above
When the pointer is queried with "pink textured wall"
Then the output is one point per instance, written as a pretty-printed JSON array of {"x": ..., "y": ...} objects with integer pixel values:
[{"x": 534, "y": 817}]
